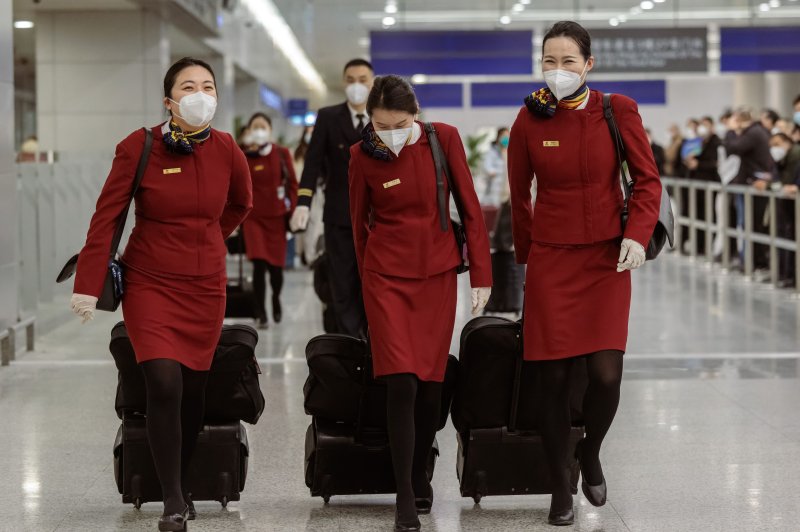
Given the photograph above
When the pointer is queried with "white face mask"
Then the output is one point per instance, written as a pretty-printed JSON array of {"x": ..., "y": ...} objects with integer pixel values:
[
  {"x": 689, "y": 134},
  {"x": 563, "y": 83},
  {"x": 260, "y": 136},
  {"x": 702, "y": 131},
  {"x": 722, "y": 131},
  {"x": 196, "y": 109},
  {"x": 395, "y": 139},
  {"x": 778, "y": 153},
  {"x": 357, "y": 93}
]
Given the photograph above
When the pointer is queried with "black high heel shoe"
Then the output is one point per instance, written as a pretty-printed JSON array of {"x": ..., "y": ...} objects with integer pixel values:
[
  {"x": 174, "y": 522},
  {"x": 424, "y": 504},
  {"x": 561, "y": 517},
  {"x": 277, "y": 312},
  {"x": 596, "y": 495},
  {"x": 405, "y": 526},
  {"x": 192, "y": 515}
]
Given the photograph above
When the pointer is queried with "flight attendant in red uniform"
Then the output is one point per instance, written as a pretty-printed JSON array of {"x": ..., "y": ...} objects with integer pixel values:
[
  {"x": 578, "y": 281},
  {"x": 274, "y": 199},
  {"x": 407, "y": 266},
  {"x": 195, "y": 191}
]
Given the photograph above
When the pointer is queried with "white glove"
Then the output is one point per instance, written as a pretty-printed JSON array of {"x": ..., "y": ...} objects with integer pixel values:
[
  {"x": 83, "y": 306},
  {"x": 299, "y": 220},
  {"x": 631, "y": 255},
  {"x": 480, "y": 296}
]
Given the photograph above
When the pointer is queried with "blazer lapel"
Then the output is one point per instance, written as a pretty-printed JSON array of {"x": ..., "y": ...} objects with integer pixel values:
[{"x": 346, "y": 123}]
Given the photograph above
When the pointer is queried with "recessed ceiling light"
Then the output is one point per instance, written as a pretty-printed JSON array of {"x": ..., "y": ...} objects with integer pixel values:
[
  {"x": 389, "y": 21},
  {"x": 23, "y": 24},
  {"x": 647, "y": 4},
  {"x": 614, "y": 21},
  {"x": 763, "y": 7},
  {"x": 524, "y": 2},
  {"x": 517, "y": 8},
  {"x": 775, "y": 3},
  {"x": 391, "y": 8},
  {"x": 505, "y": 19},
  {"x": 418, "y": 79}
]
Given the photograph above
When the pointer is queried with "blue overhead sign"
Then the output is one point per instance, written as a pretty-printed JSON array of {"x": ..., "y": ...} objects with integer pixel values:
[
  {"x": 760, "y": 49},
  {"x": 452, "y": 52}
]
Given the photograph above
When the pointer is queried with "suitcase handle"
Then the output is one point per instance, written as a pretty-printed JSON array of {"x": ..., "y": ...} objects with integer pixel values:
[{"x": 512, "y": 422}]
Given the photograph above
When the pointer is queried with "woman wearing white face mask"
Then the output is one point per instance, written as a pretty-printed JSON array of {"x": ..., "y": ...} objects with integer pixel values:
[
  {"x": 194, "y": 192},
  {"x": 274, "y": 199},
  {"x": 407, "y": 265},
  {"x": 579, "y": 258}
]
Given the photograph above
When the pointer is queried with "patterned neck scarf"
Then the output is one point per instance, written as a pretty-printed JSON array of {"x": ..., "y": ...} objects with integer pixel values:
[
  {"x": 373, "y": 146},
  {"x": 179, "y": 142},
  {"x": 544, "y": 103}
]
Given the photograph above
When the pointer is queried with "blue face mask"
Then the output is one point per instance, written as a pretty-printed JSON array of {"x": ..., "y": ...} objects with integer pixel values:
[
  {"x": 504, "y": 142},
  {"x": 797, "y": 117}
]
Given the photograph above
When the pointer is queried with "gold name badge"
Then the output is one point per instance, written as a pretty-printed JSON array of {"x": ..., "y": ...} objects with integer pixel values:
[
  {"x": 172, "y": 171},
  {"x": 258, "y": 167},
  {"x": 390, "y": 184},
  {"x": 550, "y": 144}
]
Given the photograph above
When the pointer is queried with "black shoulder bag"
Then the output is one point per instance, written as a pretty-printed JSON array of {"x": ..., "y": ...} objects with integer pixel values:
[
  {"x": 113, "y": 287},
  {"x": 665, "y": 227},
  {"x": 443, "y": 169}
]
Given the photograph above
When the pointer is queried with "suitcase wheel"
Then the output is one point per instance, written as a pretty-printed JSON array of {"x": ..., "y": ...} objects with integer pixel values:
[
  {"x": 137, "y": 503},
  {"x": 326, "y": 498},
  {"x": 477, "y": 498},
  {"x": 224, "y": 501}
]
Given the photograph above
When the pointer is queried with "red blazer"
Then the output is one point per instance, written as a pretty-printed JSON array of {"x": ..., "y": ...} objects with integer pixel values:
[
  {"x": 395, "y": 214},
  {"x": 267, "y": 179},
  {"x": 185, "y": 208},
  {"x": 579, "y": 198}
]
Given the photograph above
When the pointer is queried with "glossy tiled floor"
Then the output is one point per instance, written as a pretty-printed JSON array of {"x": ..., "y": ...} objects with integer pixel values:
[{"x": 707, "y": 436}]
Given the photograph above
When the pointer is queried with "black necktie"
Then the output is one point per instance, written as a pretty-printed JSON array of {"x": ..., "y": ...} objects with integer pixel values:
[{"x": 360, "y": 125}]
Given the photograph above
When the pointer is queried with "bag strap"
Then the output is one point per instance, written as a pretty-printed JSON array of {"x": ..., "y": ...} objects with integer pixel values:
[
  {"x": 616, "y": 137},
  {"x": 442, "y": 168},
  {"x": 137, "y": 181}
]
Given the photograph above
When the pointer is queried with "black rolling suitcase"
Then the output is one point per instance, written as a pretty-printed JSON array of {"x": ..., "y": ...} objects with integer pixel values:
[
  {"x": 500, "y": 451},
  {"x": 508, "y": 283},
  {"x": 240, "y": 299},
  {"x": 217, "y": 473},
  {"x": 347, "y": 448},
  {"x": 219, "y": 467}
]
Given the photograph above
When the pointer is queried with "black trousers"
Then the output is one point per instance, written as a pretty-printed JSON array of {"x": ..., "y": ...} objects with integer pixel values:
[
  {"x": 348, "y": 302},
  {"x": 786, "y": 229}
]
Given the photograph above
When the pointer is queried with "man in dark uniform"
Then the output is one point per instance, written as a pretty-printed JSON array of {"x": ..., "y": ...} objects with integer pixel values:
[{"x": 337, "y": 128}]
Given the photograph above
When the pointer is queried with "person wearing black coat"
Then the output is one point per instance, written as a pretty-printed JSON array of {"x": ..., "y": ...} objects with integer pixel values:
[
  {"x": 750, "y": 141},
  {"x": 337, "y": 128},
  {"x": 704, "y": 168}
]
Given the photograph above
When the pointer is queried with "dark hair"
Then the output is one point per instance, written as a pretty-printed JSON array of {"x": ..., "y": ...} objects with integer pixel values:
[
  {"x": 358, "y": 62},
  {"x": 771, "y": 114},
  {"x": 707, "y": 118},
  {"x": 302, "y": 147},
  {"x": 392, "y": 93},
  {"x": 784, "y": 137},
  {"x": 796, "y": 100},
  {"x": 694, "y": 121},
  {"x": 177, "y": 67},
  {"x": 726, "y": 114},
  {"x": 259, "y": 115},
  {"x": 574, "y": 31}
]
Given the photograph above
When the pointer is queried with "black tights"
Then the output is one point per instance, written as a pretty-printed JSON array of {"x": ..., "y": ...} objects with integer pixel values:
[
  {"x": 175, "y": 409},
  {"x": 599, "y": 407},
  {"x": 260, "y": 269},
  {"x": 413, "y": 409}
]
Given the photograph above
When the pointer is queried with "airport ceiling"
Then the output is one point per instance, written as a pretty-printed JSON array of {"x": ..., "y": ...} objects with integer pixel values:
[{"x": 332, "y": 31}]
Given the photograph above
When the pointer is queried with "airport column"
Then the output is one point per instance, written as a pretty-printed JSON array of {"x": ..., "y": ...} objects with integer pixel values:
[
  {"x": 8, "y": 178},
  {"x": 98, "y": 77}
]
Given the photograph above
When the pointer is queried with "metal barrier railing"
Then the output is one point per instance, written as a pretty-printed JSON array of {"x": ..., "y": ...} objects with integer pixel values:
[{"x": 723, "y": 229}]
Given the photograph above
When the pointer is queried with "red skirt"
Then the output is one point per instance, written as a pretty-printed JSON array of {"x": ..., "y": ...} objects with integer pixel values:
[
  {"x": 265, "y": 239},
  {"x": 410, "y": 323},
  {"x": 575, "y": 301},
  {"x": 179, "y": 319}
]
